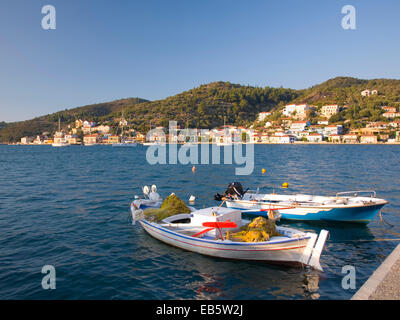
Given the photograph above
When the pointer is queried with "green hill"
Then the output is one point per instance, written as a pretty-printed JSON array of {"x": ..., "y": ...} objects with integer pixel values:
[
  {"x": 206, "y": 106},
  {"x": 13, "y": 132}
]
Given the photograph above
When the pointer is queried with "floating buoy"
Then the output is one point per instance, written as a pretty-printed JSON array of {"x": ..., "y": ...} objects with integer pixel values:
[
  {"x": 285, "y": 185},
  {"x": 263, "y": 170},
  {"x": 194, "y": 169}
]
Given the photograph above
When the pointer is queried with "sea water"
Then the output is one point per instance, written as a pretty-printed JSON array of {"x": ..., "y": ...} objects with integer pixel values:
[{"x": 69, "y": 208}]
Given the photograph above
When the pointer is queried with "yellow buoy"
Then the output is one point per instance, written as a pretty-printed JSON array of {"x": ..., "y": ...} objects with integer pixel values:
[
  {"x": 285, "y": 185},
  {"x": 263, "y": 170}
]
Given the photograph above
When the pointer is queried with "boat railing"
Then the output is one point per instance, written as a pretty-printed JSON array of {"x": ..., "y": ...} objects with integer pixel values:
[
  {"x": 253, "y": 191},
  {"x": 355, "y": 193}
]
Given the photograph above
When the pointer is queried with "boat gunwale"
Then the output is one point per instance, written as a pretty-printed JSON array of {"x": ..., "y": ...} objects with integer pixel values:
[
  {"x": 231, "y": 243},
  {"x": 295, "y": 206}
]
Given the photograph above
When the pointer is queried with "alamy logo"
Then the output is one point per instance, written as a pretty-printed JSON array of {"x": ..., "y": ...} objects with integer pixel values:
[
  {"x": 349, "y": 280},
  {"x": 49, "y": 280},
  {"x": 49, "y": 20},
  {"x": 349, "y": 20},
  {"x": 228, "y": 140}
]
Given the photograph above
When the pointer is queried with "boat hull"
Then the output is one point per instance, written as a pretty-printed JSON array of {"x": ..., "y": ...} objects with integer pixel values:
[
  {"x": 289, "y": 251},
  {"x": 356, "y": 214}
]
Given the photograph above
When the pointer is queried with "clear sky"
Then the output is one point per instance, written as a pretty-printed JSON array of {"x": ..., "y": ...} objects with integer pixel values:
[{"x": 106, "y": 50}]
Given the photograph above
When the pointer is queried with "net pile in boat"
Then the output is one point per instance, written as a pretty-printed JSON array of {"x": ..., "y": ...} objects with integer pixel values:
[
  {"x": 170, "y": 206},
  {"x": 260, "y": 229}
]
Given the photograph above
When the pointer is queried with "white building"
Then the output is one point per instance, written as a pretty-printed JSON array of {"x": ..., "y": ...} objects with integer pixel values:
[
  {"x": 391, "y": 115},
  {"x": 314, "y": 137},
  {"x": 333, "y": 129},
  {"x": 26, "y": 140},
  {"x": 102, "y": 129},
  {"x": 289, "y": 109},
  {"x": 329, "y": 110},
  {"x": 298, "y": 126},
  {"x": 263, "y": 115},
  {"x": 367, "y": 93},
  {"x": 299, "y": 110}
]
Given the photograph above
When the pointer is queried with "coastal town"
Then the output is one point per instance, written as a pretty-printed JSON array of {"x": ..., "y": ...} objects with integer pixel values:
[{"x": 292, "y": 125}]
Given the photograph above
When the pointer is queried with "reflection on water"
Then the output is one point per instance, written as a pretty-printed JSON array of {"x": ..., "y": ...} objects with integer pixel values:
[{"x": 69, "y": 207}]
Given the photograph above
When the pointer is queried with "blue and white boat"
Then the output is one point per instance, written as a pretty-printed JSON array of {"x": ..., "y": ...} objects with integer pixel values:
[{"x": 347, "y": 206}]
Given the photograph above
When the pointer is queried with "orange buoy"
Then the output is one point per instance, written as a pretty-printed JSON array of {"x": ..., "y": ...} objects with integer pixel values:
[
  {"x": 285, "y": 185},
  {"x": 194, "y": 169},
  {"x": 263, "y": 170}
]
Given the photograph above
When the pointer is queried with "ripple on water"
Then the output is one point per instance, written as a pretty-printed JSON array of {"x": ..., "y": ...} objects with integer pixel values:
[{"x": 70, "y": 208}]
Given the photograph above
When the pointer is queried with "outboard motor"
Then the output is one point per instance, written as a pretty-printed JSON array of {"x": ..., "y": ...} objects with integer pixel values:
[
  {"x": 154, "y": 196},
  {"x": 146, "y": 191},
  {"x": 234, "y": 191}
]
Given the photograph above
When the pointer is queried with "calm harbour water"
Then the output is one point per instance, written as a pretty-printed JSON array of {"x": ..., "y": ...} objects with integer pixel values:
[{"x": 69, "y": 207}]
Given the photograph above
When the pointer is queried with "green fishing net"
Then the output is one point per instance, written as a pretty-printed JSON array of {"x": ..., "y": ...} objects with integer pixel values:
[{"x": 170, "y": 206}]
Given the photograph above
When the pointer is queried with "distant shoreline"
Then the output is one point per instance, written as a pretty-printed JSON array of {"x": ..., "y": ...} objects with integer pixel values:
[{"x": 259, "y": 143}]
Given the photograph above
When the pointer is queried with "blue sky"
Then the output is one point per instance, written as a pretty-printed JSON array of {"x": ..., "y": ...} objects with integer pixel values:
[{"x": 106, "y": 50}]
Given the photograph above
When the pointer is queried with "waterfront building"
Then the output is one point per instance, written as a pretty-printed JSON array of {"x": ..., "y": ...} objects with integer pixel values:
[
  {"x": 26, "y": 140},
  {"x": 333, "y": 129},
  {"x": 74, "y": 140},
  {"x": 335, "y": 138},
  {"x": 369, "y": 138},
  {"x": 383, "y": 137},
  {"x": 350, "y": 138},
  {"x": 265, "y": 138},
  {"x": 113, "y": 139},
  {"x": 91, "y": 139},
  {"x": 254, "y": 137},
  {"x": 39, "y": 139},
  {"x": 285, "y": 138},
  {"x": 314, "y": 137},
  {"x": 60, "y": 138},
  {"x": 140, "y": 137}
]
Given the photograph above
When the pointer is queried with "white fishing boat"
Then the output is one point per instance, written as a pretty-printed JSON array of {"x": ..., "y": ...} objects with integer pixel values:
[
  {"x": 151, "y": 200},
  {"x": 60, "y": 144},
  {"x": 59, "y": 138},
  {"x": 124, "y": 141},
  {"x": 154, "y": 143},
  {"x": 205, "y": 231},
  {"x": 224, "y": 141},
  {"x": 343, "y": 207}
]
